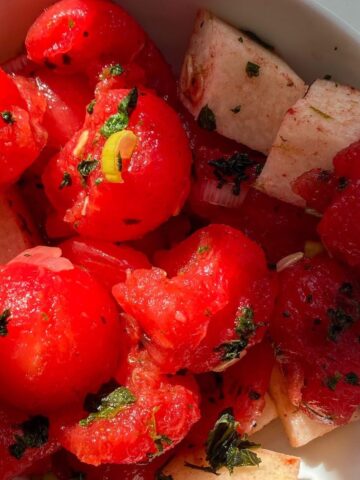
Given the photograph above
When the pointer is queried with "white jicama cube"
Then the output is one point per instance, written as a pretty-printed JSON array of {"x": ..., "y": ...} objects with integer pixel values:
[
  {"x": 232, "y": 83},
  {"x": 312, "y": 132},
  {"x": 17, "y": 232},
  {"x": 299, "y": 428},
  {"x": 273, "y": 466}
]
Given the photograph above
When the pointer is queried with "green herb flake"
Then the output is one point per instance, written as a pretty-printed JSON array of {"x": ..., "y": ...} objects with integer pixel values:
[
  {"x": 259, "y": 40},
  {"x": 90, "y": 107},
  {"x": 160, "y": 441},
  {"x": 327, "y": 77},
  {"x": 236, "y": 109},
  {"x": 339, "y": 322},
  {"x": 332, "y": 381},
  {"x": 66, "y": 181},
  {"x": 206, "y": 119},
  {"x": 162, "y": 476},
  {"x": 35, "y": 433},
  {"x": 119, "y": 121},
  {"x": 4, "y": 320},
  {"x": 116, "y": 70},
  {"x": 231, "y": 350},
  {"x": 244, "y": 323},
  {"x": 343, "y": 183},
  {"x": 352, "y": 379},
  {"x": 321, "y": 113},
  {"x": 7, "y": 117},
  {"x": 71, "y": 23},
  {"x": 241, "y": 40},
  {"x": 87, "y": 166},
  {"x": 252, "y": 69},
  {"x": 203, "y": 249},
  {"x": 225, "y": 447},
  {"x": 98, "y": 181},
  {"x": 233, "y": 170},
  {"x": 110, "y": 405}
]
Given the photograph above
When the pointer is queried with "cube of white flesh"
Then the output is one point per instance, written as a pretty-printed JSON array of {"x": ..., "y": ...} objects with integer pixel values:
[
  {"x": 17, "y": 232},
  {"x": 300, "y": 429},
  {"x": 247, "y": 87},
  {"x": 273, "y": 466},
  {"x": 312, "y": 132}
]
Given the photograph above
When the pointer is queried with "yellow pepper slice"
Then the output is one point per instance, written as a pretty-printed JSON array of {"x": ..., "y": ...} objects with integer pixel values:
[{"x": 118, "y": 149}]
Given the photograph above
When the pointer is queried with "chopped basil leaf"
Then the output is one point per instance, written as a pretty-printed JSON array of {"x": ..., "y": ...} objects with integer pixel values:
[
  {"x": 90, "y": 107},
  {"x": 110, "y": 405},
  {"x": 232, "y": 170},
  {"x": 116, "y": 70},
  {"x": 225, "y": 447},
  {"x": 162, "y": 476},
  {"x": 346, "y": 288},
  {"x": 66, "y": 181},
  {"x": 327, "y": 76},
  {"x": 333, "y": 380},
  {"x": 322, "y": 114},
  {"x": 203, "y": 249},
  {"x": 85, "y": 167},
  {"x": 119, "y": 121},
  {"x": 231, "y": 350},
  {"x": 252, "y": 69},
  {"x": 4, "y": 320},
  {"x": 339, "y": 321},
  {"x": 7, "y": 117},
  {"x": 236, "y": 109},
  {"x": 160, "y": 441},
  {"x": 35, "y": 433},
  {"x": 206, "y": 119},
  {"x": 71, "y": 23},
  {"x": 343, "y": 182},
  {"x": 244, "y": 326},
  {"x": 352, "y": 379},
  {"x": 258, "y": 40}
]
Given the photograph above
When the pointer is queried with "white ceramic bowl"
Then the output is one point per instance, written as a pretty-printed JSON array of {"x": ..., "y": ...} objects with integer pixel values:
[{"x": 314, "y": 42}]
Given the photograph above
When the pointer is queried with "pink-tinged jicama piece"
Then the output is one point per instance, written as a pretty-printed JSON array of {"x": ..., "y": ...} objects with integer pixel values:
[
  {"x": 231, "y": 83},
  {"x": 312, "y": 132}
]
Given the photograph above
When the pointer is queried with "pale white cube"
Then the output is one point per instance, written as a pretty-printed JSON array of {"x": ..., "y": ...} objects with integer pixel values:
[
  {"x": 312, "y": 132},
  {"x": 247, "y": 87}
]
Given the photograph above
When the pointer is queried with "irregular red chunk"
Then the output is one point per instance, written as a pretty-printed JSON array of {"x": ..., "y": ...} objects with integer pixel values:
[
  {"x": 215, "y": 303},
  {"x": 158, "y": 416},
  {"x": 316, "y": 328}
]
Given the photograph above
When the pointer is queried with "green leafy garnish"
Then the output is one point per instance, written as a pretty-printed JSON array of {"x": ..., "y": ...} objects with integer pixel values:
[
  {"x": 206, "y": 119},
  {"x": 232, "y": 170},
  {"x": 7, "y": 117},
  {"x": 333, "y": 380},
  {"x": 71, "y": 23},
  {"x": 252, "y": 69},
  {"x": 110, "y": 405},
  {"x": 203, "y": 249},
  {"x": 244, "y": 323},
  {"x": 85, "y": 167},
  {"x": 236, "y": 109},
  {"x": 225, "y": 447},
  {"x": 90, "y": 107},
  {"x": 116, "y": 70},
  {"x": 352, "y": 379},
  {"x": 4, "y": 320},
  {"x": 66, "y": 181},
  {"x": 35, "y": 433},
  {"x": 119, "y": 121},
  {"x": 339, "y": 321},
  {"x": 162, "y": 476},
  {"x": 160, "y": 441},
  {"x": 231, "y": 350},
  {"x": 322, "y": 114}
]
